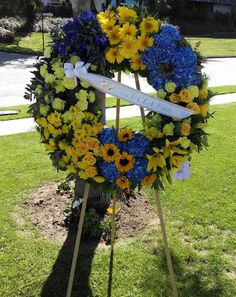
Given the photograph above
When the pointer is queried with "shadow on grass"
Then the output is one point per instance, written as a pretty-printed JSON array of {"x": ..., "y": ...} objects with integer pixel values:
[
  {"x": 56, "y": 284},
  {"x": 196, "y": 277}
]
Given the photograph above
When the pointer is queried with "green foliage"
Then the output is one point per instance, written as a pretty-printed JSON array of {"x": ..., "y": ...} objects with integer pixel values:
[{"x": 92, "y": 224}]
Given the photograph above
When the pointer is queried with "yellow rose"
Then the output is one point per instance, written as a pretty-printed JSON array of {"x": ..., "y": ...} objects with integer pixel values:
[
  {"x": 43, "y": 109},
  {"x": 89, "y": 159},
  {"x": 170, "y": 87},
  {"x": 185, "y": 129},
  {"x": 71, "y": 168},
  {"x": 83, "y": 175},
  {"x": 69, "y": 83},
  {"x": 82, "y": 104},
  {"x": 91, "y": 171},
  {"x": 59, "y": 72},
  {"x": 194, "y": 106},
  {"x": 81, "y": 149},
  {"x": 49, "y": 78},
  {"x": 174, "y": 98},
  {"x": 92, "y": 143},
  {"x": 82, "y": 94},
  {"x": 91, "y": 96},
  {"x": 204, "y": 109},
  {"x": 186, "y": 96},
  {"x": 82, "y": 165},
  {"x": 203, "y": 93},
  {"x": 99, "y": 179}
]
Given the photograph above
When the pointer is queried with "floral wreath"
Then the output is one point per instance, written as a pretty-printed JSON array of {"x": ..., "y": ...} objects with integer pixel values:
[{"x": 67, "y": 111}]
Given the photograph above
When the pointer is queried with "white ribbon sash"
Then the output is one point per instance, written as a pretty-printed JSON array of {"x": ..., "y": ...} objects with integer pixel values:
[{"x": 119, "y": 90}]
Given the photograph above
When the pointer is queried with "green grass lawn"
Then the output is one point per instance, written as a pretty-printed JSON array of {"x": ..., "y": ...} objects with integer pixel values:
[
  {"x": 209, "y": 47},
  {"x": 215, "y": 47},
  {"x": 200, "y": 219},
  {"x": 223, "y": 90}
]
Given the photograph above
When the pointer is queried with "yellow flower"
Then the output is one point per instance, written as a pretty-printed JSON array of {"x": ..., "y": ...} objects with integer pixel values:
[
  {"x": 43, "y": 70},
  {"x": 59, "y": 87},
  {"x": 168, "y": 129},
  {"x": 161, "y": 94},
  {"x": 110, "y": 211},
  {"x": 203, "y": 93},
  {"x": 107, "y": 24},
  {"x": 136, "y": 63},
  {"x": 185, "y": 129},
  {"x": 170, "y": 87},
  {"x": 204, "y": 109},
  {"x": 128, "y": 47},
  {"x": 125, "y": 134},
  {"x": 69, "y": 83},
  {"x": 126, "y": 14},
  {"x": 82, "y": 104},
  {"x": 49, "y": 78},
  {"x": 58, "y": 104},
  {"x": 174, "y": 98},
  {"x": 84, "y": 84},
  {"x": 128, "y": 30},
  {"x": 110, "y": 152},
  {"x": 152, "y": 133},
  {"x": 82, "y": 174},
  {"x": 114, "y": 35},
  {"x": 144, "y": 42},
  {"x": 176, "y": 161},
  {"x": 149, "y": 25},
  {"x": 156, "y": 160},
  {"x": 81, "y": 149},
  {"x": 194, "y": 90},
  {"x": 194, "y": 106},
  {"x": 65, "y": 129},
  {"x": 55, "y": 119},
  {"x": 82, "y": 94},
  {"x": 56, "y": 132},
  {"x": 59, "y": 72},
  {"x": 148, "y": 180},
  {"x": 91, "y": 96},
  {"x": 74, "y": 59},
  {"x": 99, "y": 179},
  {"x": 124, "y": 162},
  {"x": 123, "y": 182},
  {"x": 91, "y": 171},
  {"x": 113, "y": 55},
  {"x": 185, "y": 96},
  {"x": 89, "y": 159}
]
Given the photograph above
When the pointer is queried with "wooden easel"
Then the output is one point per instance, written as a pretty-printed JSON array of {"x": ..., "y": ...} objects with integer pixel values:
[{"x": 82, "y": 215}]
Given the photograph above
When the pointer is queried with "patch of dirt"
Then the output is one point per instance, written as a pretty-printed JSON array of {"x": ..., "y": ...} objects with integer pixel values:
[{"x": 45, "y": 208}]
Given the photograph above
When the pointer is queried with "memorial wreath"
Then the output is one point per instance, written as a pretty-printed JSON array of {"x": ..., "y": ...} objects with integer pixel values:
[{"x": 68, "y": 112}]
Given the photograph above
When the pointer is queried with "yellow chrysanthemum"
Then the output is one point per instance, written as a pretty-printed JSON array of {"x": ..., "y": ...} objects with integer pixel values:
[
  {"x": 55, "y": 119},
  {"x": 124, "y": 162},
  {"x": 110, "y": 152},
  {"x": 149, "y": 25},
  {"x": 126, "y": 14},
  {"x": 125, "y": 134},
  {"x": 148, "y": 180},
  {"x": 123, "y": 182},
  {"x": 144, "y": 42},
  {"x": 81, "y": 149},
  {"x": 137, "y": 64},
  {"x": 128, "y": 47},
  {"x": 128, "y": 30},
  {"x": 114, "y": 35},
  {"x": 113, "y": 55}
]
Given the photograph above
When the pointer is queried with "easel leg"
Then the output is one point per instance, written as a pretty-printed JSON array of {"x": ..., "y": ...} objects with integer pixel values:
[
  {"x": 77, "y": 242},
  {"x": 167, "y": 251},
  {"x": 113, "y": 223},
  {"x": 118, "y": 105}
]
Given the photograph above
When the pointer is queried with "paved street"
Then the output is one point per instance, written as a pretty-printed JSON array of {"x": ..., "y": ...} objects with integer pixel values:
[{"x": 15, "y": 74}]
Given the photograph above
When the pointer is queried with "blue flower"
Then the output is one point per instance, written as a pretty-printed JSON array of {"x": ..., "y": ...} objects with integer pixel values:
[
  {"x": 108, "y": 135},
  {"x": 168, "y": 36},
  {"x": 139, "y": 171},
  {"x": 109, "y": 171},
  {"x": 137, "y": 146}
]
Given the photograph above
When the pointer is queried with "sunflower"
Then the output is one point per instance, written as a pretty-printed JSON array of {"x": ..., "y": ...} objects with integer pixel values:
[
  {"x": 125, "y": 134},
  {"x": 126, "y": 14},
  {"x": 136, "y": 63},
  {"x": 113, "y": 55},
  {"x": 148, "y": 180},
  {"x": 123, "y": 182},
  {"x": 144, "y": 42},
  {"x": 149, "y": 25},
  {"x": 110, "y": 152},
  {"x": 124, "y": 162},
  {"x": 114, "y": 35},
  {"x": 128, "y": 47},
  {"x": 128, "y": 30}
]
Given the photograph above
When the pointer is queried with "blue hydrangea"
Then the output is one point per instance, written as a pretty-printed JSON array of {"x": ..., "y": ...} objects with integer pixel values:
[
  {"x": 108, "y": 135},
  {"x": 139, "y": 171},
  {"x": 184, "y": 57},
  {"x": 168, "y": 36},
  {"x": 109, "y": 171},
  {"x": 137, "y": 146}
]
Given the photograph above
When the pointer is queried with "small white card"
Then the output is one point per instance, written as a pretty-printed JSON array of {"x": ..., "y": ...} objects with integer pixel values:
[{"x": 183, "y": 173}]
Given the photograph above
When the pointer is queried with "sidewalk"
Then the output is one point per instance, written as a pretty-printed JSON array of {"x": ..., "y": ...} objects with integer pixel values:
[{"x": 26, "y": 125}]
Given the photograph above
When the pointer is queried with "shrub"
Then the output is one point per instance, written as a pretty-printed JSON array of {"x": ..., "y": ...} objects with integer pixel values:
[
  {"x": 13, "y": 24},
  {"x": 48, "y": 24},
  {"x": 6, "y": 36}
]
